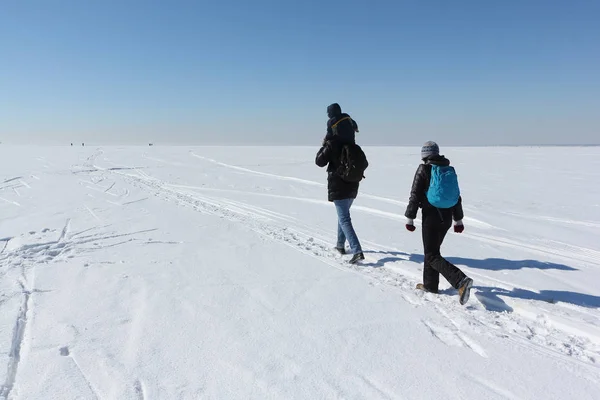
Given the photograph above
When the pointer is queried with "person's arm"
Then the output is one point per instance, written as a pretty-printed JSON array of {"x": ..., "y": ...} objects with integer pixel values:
[
  {"x": 329, "y": 133},
  {"x": 417, "y": 192},
  {"x": 322, "y": 158},
  {"x": 457, "y": 210},
  {"x": 458, "y": 215}
]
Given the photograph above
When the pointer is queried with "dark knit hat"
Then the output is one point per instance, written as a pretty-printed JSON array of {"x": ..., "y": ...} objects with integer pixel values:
[{"x": 429, "y": 149}]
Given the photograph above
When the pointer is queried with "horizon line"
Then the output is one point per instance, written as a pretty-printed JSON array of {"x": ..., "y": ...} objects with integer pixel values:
[{"x": 151, "y": 144}]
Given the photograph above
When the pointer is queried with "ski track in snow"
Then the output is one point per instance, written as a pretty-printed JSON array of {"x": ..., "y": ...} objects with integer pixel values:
[
  {"x": 15, "y": 184},
  {"x": 11, "y": 179},
  {"x": 111, "y": 186},
  {"x": 456, "y": 330},
  {"x": 561, "y": 221},
  {"x": 134, "y": 201},
  {"x": 293, "y": 179},
  {"x": 14, "y": 356},
  {"x": 521, "y": 328},
  {"x": 251, "y": 171},
  {"x": 84, "y": 377},
  {"x": 26, "y": 257},
  {"x": 92, "y": 213},
  {"x": 24, "y": 184},
  {"x": 139, "y": 390},
  {"x": 568, "y": 252},
  {"x": 502, "y": 392},
  {"x": 5, "y": 240},
  {"x": 10, "y": 202},
  {"x": 378, "y": 391}
]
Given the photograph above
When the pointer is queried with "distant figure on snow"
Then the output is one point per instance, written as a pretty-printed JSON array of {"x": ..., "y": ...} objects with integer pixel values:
[
  {"x": 435, "y": 190},
  {"x": 346, "y": 163}
]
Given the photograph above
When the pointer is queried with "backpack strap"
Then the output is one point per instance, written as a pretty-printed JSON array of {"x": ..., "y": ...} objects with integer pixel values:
[{"x": 334, "y": 125}]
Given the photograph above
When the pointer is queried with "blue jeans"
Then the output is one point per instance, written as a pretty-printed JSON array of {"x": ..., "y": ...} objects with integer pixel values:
[{"x": 345, "y": 229}]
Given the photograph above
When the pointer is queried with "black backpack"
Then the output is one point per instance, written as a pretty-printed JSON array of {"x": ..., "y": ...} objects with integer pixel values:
[{"x": 353, "y": 163}]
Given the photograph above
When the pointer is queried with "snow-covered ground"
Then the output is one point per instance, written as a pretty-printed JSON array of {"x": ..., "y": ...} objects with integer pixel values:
[{"x": 207, "y": 273}]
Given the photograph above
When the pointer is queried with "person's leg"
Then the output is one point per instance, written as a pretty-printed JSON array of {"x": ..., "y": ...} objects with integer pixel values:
[
  {"x": 452, "y": 274},
  {"x": 341, "y": 238},
  {"x": 345, "y": 222},
  {"x": 431, "y": 277}
]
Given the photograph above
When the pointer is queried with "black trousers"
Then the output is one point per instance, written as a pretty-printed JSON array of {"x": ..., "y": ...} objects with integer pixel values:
[{"x": 435, "y": 226}]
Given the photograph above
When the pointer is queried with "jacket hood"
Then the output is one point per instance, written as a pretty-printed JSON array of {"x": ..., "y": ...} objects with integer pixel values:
[
  {"x": 334, "y": 110},
  {"x": 437, "y": 160}
]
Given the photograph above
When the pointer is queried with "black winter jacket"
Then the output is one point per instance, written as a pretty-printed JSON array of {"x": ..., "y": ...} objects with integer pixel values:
[
  {"x": 329, "y": 154},
  {"x": 346, "y": 135},
  {"x": 418, "y": 198}
]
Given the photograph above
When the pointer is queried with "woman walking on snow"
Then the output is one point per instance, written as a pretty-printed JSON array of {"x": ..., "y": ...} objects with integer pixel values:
[{"x": 435, "y": 190}]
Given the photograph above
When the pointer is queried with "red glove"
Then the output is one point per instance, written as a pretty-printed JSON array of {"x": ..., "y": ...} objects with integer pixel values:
[
  {"x": 410, "y": 225},
  {"x": 459, "y": 227}
]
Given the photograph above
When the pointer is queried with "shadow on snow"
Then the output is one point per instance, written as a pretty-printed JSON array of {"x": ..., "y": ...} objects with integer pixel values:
[{"x": 490, "y": 297}]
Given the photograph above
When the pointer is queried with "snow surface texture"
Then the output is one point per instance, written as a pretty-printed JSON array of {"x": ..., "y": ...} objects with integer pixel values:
[{"x": 208, "y": 273}]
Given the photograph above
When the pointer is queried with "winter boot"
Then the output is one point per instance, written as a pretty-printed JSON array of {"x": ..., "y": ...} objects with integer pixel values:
[
  {"x": 464, "y": 290},
  {"x": 422, "y": 287},
  {"x": 341, "y": 250},
  {"x": 356, "y": 258}
]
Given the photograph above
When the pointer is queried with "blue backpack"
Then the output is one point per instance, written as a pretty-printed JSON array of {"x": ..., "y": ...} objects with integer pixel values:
[{"x": 443, "y": 189}]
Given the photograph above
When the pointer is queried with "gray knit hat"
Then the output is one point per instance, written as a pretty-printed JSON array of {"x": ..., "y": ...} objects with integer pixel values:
[{"x": 429, "y": 149}]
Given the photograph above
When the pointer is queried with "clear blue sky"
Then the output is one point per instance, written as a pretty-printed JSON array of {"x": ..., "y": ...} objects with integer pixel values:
[{"x": 459, "y": 72}]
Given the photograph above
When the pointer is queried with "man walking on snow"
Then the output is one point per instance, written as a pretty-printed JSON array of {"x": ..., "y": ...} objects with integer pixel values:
[
  {"x": 337, "y": 152},
  {"x": 435, "y": 182}
]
